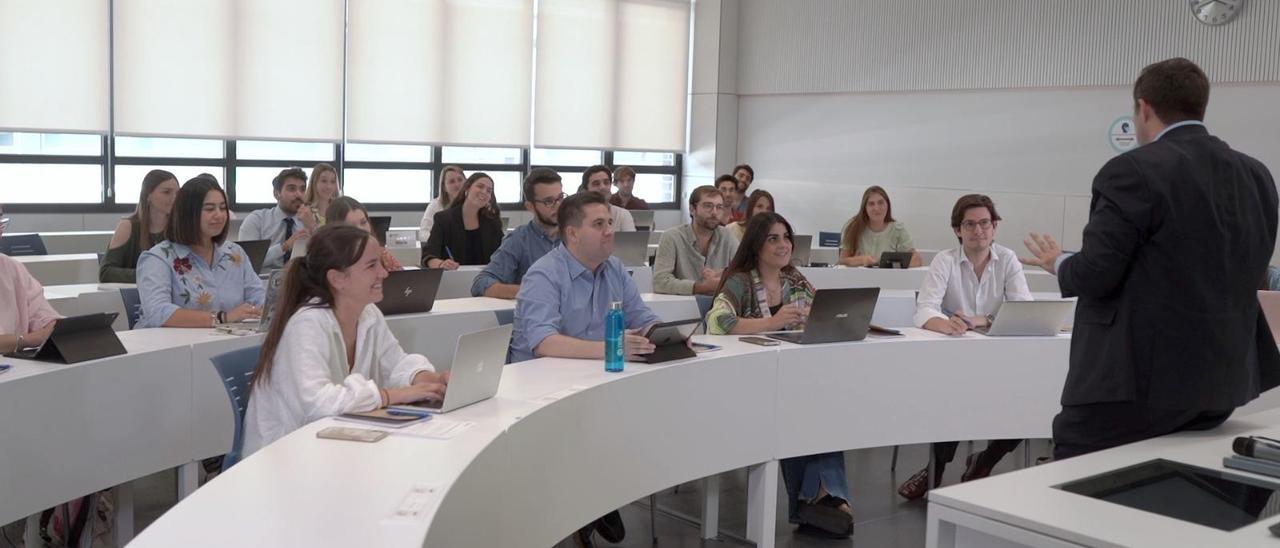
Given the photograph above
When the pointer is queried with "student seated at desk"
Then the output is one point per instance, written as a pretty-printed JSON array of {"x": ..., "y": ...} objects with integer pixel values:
[
  {"x": 737, "y": 210},
  {"x": 873, "y": 231},
  {"x": 451, "y": 180},
  {"x": 599, "y": 179},
  {"x": 562, "y": 302},
  {"x": 625, "y": 179},
  {"x": 469, "y": 231},
  {"x": 286, "y": 223},
  {"x": 345, "y": 209},
  {"x": 322, "y": 189},
  {"x": 195, "y": 278},
  {"x": 26, "y": 319},
  {"x": 964, "y": 289},
  {"x": 500, "y": 279},
  {"x": 691, "y": 257},
  {"x": 329, "y": 351},
  {"x": 140, "y": 230},
  {"x": 761, "y": 201},
  {"x": 761, "y": 291}
]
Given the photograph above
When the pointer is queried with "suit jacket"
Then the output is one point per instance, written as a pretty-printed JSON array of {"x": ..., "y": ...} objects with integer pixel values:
[
  {"x": 450, "y": 232},
  {"x": 1179, "y": 236}
]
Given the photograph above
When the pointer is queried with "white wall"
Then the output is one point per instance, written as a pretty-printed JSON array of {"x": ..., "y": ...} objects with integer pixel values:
[
  {"x": 933, "y": 100},
  {"x": 1034, "y": 151}
]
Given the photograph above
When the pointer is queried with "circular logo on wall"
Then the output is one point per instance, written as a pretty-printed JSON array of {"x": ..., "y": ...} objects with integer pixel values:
[{"x": 1123, "y": 135}]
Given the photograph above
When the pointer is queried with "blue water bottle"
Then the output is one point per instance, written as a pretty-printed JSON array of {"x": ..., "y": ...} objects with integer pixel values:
[{"x": 614, "y": 324}]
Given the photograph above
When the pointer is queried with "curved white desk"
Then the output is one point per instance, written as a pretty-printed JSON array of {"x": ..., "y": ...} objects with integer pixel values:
[{"x": 565, "y": 442}]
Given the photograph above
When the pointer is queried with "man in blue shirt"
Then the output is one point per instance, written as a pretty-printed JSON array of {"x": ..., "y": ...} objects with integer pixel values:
[
  {"x": 564, "y": 296},
  {"x": 543, "y": 192},
  {"x": 562, "y": 301}
]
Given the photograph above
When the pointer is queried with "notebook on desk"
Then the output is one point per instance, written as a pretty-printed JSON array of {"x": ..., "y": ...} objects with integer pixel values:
[
  {"x": 1028, "y": 319},
  {"x": 476, "y": 372},
  {"x": 837, "y": 315},
  {"x": 256, "y": 251},
  {"x": 632, "y": 248},
  {"x": 410, "y": 291},
  {"x": 76, "y": 339}
]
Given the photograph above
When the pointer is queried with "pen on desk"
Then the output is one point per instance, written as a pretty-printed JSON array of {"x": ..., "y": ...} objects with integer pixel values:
[{"x": 949, "y": 314}]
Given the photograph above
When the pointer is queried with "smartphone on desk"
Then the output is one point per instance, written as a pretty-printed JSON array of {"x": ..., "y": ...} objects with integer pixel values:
[
  {"x": 761, "y": 341},
  {"x": 351, "y": 434}
]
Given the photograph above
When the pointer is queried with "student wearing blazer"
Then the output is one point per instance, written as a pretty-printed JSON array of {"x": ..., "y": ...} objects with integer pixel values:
[{"x": 469, "y": 231}]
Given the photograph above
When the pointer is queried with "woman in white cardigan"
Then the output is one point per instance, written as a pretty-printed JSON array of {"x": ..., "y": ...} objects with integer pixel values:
[{"x": 329, "y": 350}]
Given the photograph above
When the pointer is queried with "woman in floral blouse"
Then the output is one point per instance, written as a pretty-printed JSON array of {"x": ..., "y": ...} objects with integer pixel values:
[
  {"x": 195, "y": 278},
  {"x": 761, "y": 291}
]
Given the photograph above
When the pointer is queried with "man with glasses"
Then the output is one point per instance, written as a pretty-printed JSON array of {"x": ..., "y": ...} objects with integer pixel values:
[
  {"x": 691, "y": 257},
  {"x": 500, "y": 279},
  {"x": 599, "y": 179},
  {"x": 281, "y": 223},
  {"x": 964, "y": 289}
]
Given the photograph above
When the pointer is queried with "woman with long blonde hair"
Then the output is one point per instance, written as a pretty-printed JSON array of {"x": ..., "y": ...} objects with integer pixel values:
[{"x": 451, "y": 181}]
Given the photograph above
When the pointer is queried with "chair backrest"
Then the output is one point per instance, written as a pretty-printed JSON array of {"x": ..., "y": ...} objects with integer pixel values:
[
  {"x": 704, "y": 304},
  {"x": 235, "y": 368},
  {"x": 132, "y": 304},
  {"x": 18, "y": 245}
]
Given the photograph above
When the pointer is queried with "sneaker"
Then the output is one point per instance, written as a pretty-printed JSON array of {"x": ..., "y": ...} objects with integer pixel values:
[
  {"x": 826, "y": 515},
  {"x": 611, "y": 528}
]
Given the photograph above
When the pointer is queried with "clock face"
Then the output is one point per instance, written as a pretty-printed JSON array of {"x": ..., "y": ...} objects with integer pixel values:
[{"x": 1216, "y": 12}]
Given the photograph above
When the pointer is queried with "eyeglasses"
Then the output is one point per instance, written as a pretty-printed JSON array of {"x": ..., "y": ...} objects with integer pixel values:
[
  {"x": 550, "y": 202},
  {"x": 709, "y": 206},
  {"x": 970, "y": 225}
]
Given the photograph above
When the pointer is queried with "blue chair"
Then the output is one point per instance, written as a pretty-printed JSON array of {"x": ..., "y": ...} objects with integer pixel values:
[
  {"x": 704, "y": 304},
  {"x": 235, "y": 368},
  {"x": 132, "y": 304},
  {"x": 19, "y": 245}
]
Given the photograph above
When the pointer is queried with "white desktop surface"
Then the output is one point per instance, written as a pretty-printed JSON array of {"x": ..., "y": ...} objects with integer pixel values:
[
  {"x": 74, "y": 268},
  {"x": 565, "y": 442},
  {"x": 1023, "y": 509}
]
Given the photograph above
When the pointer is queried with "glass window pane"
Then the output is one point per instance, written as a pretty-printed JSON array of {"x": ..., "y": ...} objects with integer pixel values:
[
  {"x": 506, "y": 185},
  {"x": 52, "y": 144},
  {"x": 364, "y": 152},
  {"x": 50, "y": 184},
  {"x": 253, "y": 185},
  {"x": 284, "y": 150},
  {"x": 656, "y": 188},
  {"x": 388, "y": 186},
  {"x": 129, "y": 178},
  {"x": 480, "y": 155},
  {"x": 565, "y": 157},
  {"x": 571, "y": 180},
  {"x": 628, "y": 158},
  {"x": 164, "y": 147}
]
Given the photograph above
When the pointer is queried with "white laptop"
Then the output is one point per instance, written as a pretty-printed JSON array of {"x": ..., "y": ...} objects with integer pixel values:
[
  {"x": 643, "y": 219},
  {"x": 476, "y": 372},
  {"x": 1029, "y": 319}
]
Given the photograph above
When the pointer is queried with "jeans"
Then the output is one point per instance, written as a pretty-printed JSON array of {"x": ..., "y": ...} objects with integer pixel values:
[{"x": 804, "y": 475}]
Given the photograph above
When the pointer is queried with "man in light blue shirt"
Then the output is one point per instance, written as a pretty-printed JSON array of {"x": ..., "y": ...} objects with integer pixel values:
[
  {"x": 564, "y": 296},
  {"x": 281, "y": 224},
  {"x": 543, "y": 192}
]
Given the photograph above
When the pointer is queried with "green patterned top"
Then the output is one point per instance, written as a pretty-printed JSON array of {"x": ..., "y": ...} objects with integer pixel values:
[{"x": 742, "y": 294}]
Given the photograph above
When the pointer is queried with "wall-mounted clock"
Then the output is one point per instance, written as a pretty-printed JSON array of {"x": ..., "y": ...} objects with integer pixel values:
[{"x": 1216, "y": 12}]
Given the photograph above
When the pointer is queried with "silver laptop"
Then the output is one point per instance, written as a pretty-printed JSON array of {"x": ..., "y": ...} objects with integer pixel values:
[
  {"x": 802, "y": 245},
  {"x": 837, "y": 315},
  {"x": 1029, "y": 319},
  {"x": 643, "y": 219},
  {"x": 476, "y": 371},
  {"x": 632, "y": 248},
  {"x": 274, "y": 284}
]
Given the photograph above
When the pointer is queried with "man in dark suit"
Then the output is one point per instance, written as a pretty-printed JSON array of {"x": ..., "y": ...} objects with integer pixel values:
[{"x": 1168, "y": 333}]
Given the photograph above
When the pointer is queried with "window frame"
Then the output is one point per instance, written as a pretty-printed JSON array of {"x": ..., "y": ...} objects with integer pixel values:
[{"x": 229, "y": 162}]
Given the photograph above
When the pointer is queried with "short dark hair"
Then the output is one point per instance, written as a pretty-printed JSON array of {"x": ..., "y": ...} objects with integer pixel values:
[
  {"x": 184, "y": 221},
  {"x": 572, "y": 209},
  {"x": 1176, "y": 89},
  {"x": 539, "y": 176},
  {"x": 288, "y": 173},
  {"x": 700, "y": 192},
  {"x": 970, "y": 201},
  {"x": 724, "y": 178},
  {"x": 624, "y": 171},
  {"x": 586, "y": 175},
  {"x": 746, "y": 168}
]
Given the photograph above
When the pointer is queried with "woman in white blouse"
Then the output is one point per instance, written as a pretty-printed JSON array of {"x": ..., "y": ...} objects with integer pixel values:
[
  {"x": 451, "y": 179},
  {"x": 329, "y": 350}
]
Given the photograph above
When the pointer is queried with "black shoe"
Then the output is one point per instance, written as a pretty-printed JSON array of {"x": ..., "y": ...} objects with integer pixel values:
[
  {"x": 582, "y": 537},
  {"x": 827, "y": 516},
  {"x": 804, "y": 529},
  {"x": 611, "y": 527}
]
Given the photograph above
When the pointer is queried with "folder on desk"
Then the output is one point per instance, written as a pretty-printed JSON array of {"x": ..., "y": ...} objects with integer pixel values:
[{"x": 1250, "y": 464}]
